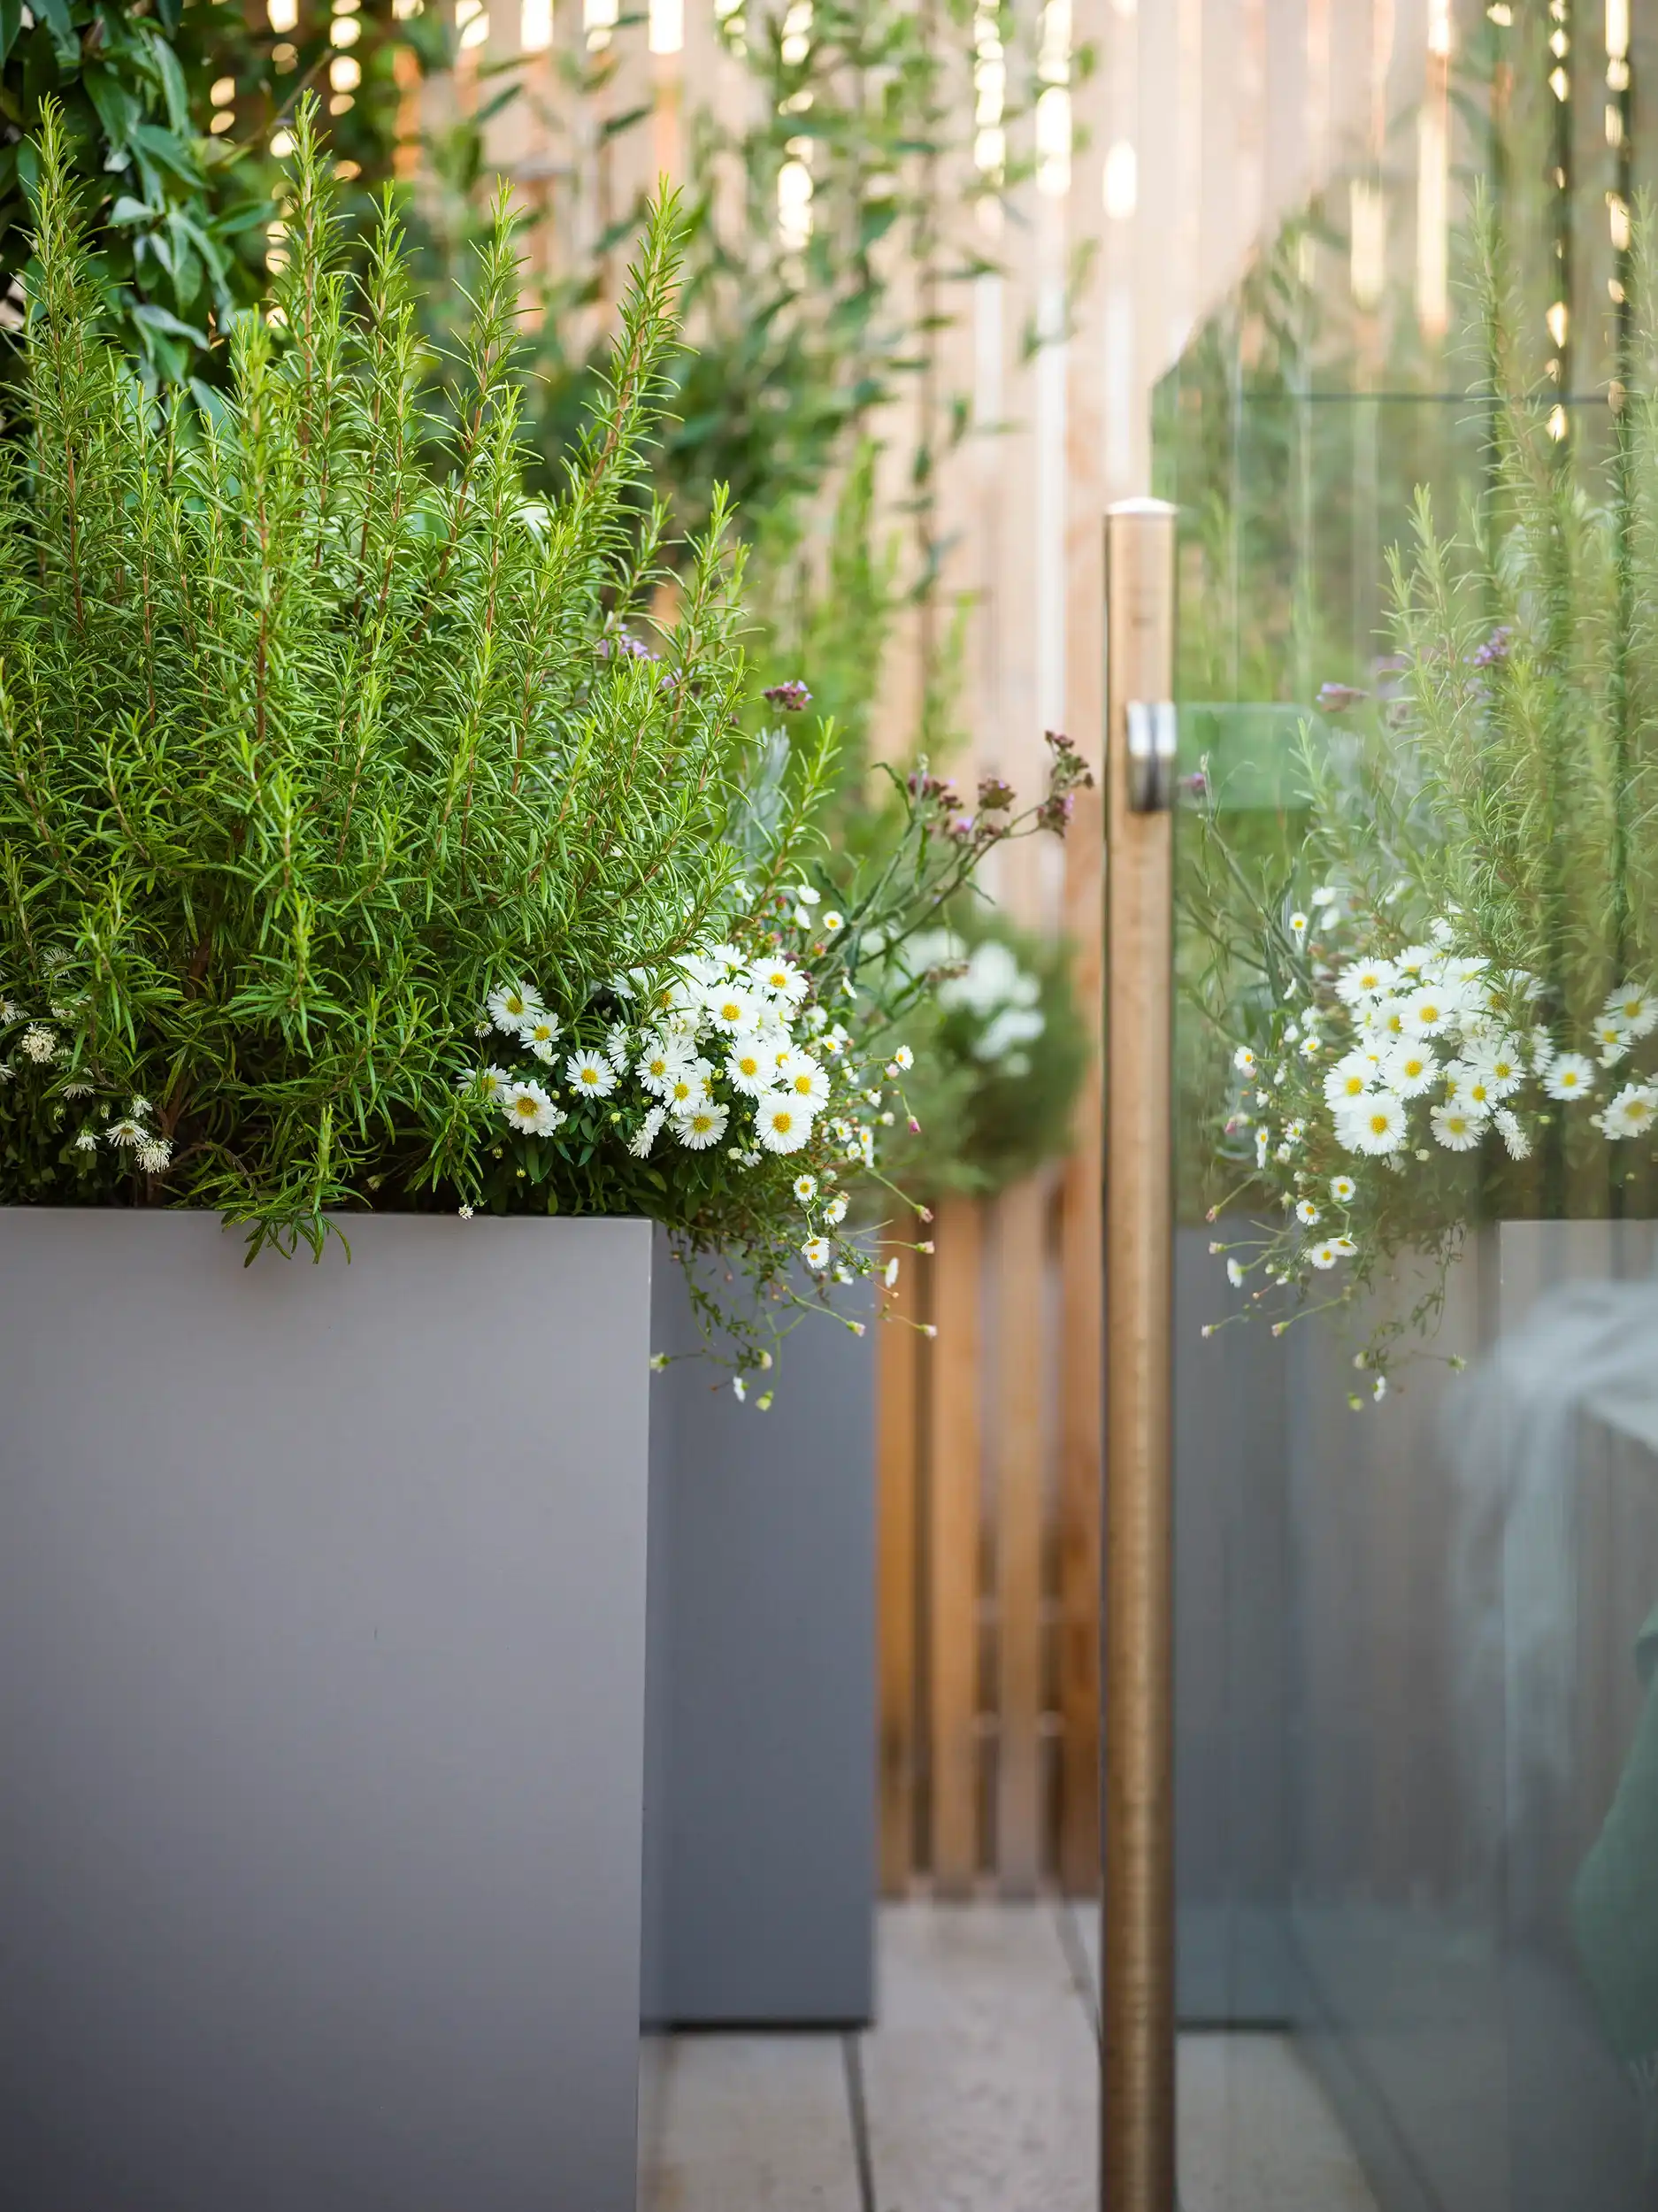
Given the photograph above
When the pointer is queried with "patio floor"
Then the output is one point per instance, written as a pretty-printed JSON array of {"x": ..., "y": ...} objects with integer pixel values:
[{"x": 977, "y": 2092}]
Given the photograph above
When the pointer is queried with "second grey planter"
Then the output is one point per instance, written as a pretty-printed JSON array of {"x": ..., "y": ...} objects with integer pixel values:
[
  {"x": 761, "y": 1820},
  {"x": 322, "y": 1642}
]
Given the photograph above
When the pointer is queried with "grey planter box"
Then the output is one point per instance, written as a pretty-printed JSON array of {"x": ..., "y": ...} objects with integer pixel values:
[
  {"x": 322, "y": 1642},
  {"x": 761, "y": 1824}
]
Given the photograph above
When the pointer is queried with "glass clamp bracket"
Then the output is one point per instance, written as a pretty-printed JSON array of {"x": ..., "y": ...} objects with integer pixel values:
[{"x": 1153, "y": 737}]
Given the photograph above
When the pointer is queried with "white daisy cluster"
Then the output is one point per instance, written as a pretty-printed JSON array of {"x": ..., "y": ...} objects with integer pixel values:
[
  {"x": 42, "y": 1049},
  {"x": 1394, "y": 1060},
  {"x": 1431, "y": 1035},
  {"x": 734, "y": 1051},
  {"x": 988, "y": 984}
]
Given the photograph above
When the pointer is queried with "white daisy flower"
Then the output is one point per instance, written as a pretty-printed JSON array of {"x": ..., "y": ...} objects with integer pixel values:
[
  {"x": 1637, "y": 1009},
  {"x": 1376, "y": 1126},
  {"x": 890, "y": 1275},
  {"x": 513, "y": 1004},
  {"x": 1244, "y": 1060},
  {"x": 639, "y": 1143},
  {"x": 831, "y": 921},
  {"x": 729, "y": 1008},
  {"x": 1457, "y": 1127},
  {"x": 1351, "y": 1076},
  {"x": 807, "y": 895},
  {"x": 1413, "y": 963},
  {"x": 1344, "y": 1248},
  {"x": 700, "y": 1125},
  {"x": 528, "y": 1109},
  {"x": 1506, "y": 1124},
  {"x": 1235, "y": 1274},
  {"x": 154, "y": 1155},
  {"x": 616, "y": 1047},
  {"x": 750, "y": 1066},
  {"x": 1632, "y": 1113},
  {"x": 805, "y": 1188},
  {"x": 590, "y": 1074},
  {"x": 1307, "y": 1212},
  {"x": 539, "y": 1033},
  {"x": 77, "y": 1090},
  {"x": 800, "y": 1075},
  {"x": 87, "y": 1140},
  {"x": 493, "y": 1083},
  {"x": 1323, "y": 1255},
  {"x": 902, "y": 1057},
  {"x": 739, "y": 1388},
  {"x": 814, "y": 1252},
  {"x": 662, "y": 1059},
  {"x": 1429, "y": 1012},
  {"x": 1571, "y": 1076},
  {"x": 127, "y": 1132},
  {"x": 1411, "y": 1070},
  {"x": 1498, "y": 1060},
  {"x": 779, "y": 979},
  {"x": 1298, "y": 926},
  {"x": 1343, "y": 1189},
  {"x": 782, "y": 1123},
  {"x": 691, "y": 1084},
  {"x": 1262, "y": 1143},
  {"x": 1365, "y": 981},
  {"x": 1610, "y": 1036},
  {"x": 1386, "y": 1021},
  {"x": 1311, "y": 1046},
  {"x": 835, "y": 1212},
  {"x": 1473, "y": 1087},
  {"x": 39, "y": 1045}
]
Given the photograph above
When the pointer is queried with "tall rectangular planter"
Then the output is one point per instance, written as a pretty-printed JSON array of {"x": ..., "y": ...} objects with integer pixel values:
[
  {"x": 322, "y": 1646},
  {"x": 761, "y": 1824}
]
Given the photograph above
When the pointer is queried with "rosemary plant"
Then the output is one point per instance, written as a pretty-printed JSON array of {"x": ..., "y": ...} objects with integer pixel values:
[
  {"x": 306, "y": 751},
  {"x": 356, "y": 850}
]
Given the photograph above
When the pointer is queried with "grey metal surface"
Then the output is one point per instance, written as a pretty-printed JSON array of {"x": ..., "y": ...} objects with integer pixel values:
[
  {"x": 1232, "y": 1655},
  {"x": 321, "y": 1702},
  {"x": 761, "y": 1824}
]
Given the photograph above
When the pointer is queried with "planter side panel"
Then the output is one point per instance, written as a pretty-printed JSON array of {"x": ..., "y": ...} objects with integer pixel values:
[
  {"x": 762, "y": 1658},
  {"x": 321, "y": 1703}
]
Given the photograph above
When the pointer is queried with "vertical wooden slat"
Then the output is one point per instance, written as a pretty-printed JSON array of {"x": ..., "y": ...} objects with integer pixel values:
[
  {"x": 1022, "y": 1226},
  {"x": 898, "y": 1348},
  {"x": 952, "y": 1479}
]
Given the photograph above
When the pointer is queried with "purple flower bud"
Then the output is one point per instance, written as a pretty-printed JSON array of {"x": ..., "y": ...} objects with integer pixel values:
[
  {"x": 791, "y": 696},
  {"x": 1495, "y": 648},
  {"x": 1336, "y": 698},
  {"x": 995, "y": 795}
]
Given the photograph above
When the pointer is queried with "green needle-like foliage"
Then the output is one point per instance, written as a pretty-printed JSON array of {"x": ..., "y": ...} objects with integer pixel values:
[{"x": 305, "y": 746}]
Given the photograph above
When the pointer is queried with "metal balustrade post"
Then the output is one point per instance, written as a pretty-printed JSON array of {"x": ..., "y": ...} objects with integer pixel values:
[{"x": 1137, "y": 1835}]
